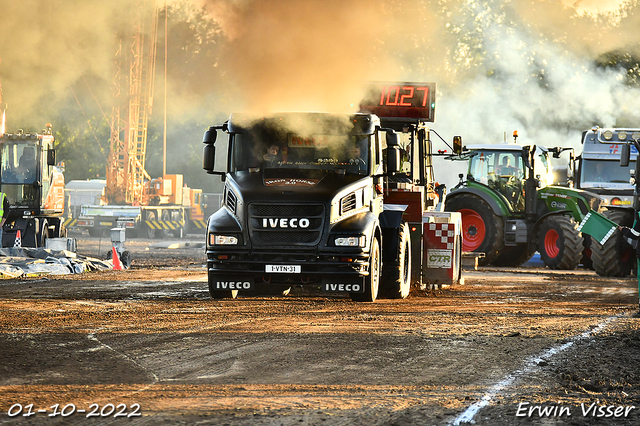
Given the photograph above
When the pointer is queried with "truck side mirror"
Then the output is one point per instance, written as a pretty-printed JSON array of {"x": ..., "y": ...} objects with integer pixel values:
[
  {"x": 457, "y": 145},
  {"x": 394, "y": 161},
  {"x": 625, "y": 155},
  {"x": 210, "y": 136},
  {"x": 51, "y": 157},
  {"x": 209, "y": 158},
  {"x": 209, "y": 151},
  {"x": 393, "y": 153}
]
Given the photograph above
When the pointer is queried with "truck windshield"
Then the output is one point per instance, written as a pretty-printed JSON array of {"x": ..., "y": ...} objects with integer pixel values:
[
  {"x": 272, "y": 149},
  {"x": 18, "y": 171},
  {"x": 605, "y": 174}
]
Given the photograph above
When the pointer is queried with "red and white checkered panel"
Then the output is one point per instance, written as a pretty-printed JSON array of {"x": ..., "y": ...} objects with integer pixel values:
[
  {"x": 441, "y": 256},
  {"x": 440, "y": 235}
]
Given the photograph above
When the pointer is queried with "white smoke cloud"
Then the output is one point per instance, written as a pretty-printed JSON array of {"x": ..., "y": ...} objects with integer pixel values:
[{"x": 543, "y": 84}]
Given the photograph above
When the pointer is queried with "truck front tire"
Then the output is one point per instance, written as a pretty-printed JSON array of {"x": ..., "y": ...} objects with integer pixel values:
[
  {"x": 372, "y": 281},
  {"x": 396, "y": 277}
]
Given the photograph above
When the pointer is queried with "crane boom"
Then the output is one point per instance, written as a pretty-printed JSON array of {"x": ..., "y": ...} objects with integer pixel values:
[
  {"x": 132, "y": 199},
  {"x": 133, "y": 95}
]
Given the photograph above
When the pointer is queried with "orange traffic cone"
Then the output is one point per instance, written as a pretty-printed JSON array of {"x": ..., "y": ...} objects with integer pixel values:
[
  {"x": 18, "y": 242},
  {"x": 117, "y": 265}
]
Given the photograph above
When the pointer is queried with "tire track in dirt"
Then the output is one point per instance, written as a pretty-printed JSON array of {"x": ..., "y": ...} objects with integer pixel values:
[{"x": 531, "y": 364}]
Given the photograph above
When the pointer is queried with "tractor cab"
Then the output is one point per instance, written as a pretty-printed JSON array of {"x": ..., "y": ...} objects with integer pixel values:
[{"x": 505, "y": 168}]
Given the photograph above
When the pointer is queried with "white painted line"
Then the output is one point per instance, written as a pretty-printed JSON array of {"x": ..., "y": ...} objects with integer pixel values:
[{"x": 530, "y": 365}]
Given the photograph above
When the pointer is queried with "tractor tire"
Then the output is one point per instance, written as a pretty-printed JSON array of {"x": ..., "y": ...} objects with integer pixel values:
[
  {"x": 586, "y": 261},
  {"x": 396, "y": 276},
  {"x": 514, "y": 256},
  {"x": 560, "y": 243},
  {"x": 615, "y": 258},
  {"x": 372, "y": 281},
  {"x": 482, "y": 229}
]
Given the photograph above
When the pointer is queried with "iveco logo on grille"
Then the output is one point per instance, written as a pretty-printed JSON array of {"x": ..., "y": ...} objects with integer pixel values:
[{"x": 285, "y": 223}]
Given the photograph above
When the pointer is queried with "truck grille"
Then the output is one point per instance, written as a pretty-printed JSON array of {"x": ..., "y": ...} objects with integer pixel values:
[
  {"x": 348, "y": 203},
  {"x": 230, "y": 200},
  {"x": 286, "y": 224}
]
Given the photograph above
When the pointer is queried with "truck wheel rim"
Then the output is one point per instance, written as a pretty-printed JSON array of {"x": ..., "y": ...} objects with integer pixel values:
[
  {"x": 551, "y": 243},
  {"x": 474, "y": 230}
]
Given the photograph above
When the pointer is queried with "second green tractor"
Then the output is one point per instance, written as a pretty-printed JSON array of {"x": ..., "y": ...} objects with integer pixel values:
[{"x": 510, "y": 209}]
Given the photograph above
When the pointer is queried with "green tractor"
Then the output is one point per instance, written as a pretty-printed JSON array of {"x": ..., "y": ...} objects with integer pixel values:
[{"x": 510, "y": 210}]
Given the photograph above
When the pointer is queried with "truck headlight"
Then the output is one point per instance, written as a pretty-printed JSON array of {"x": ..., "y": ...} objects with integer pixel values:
[
  {"x": 358, "y": 241},
  {"x": 222, "y": 240}
]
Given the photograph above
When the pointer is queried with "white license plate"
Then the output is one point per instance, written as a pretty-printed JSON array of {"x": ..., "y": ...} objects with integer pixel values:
[{"x": 284, "y": 269}]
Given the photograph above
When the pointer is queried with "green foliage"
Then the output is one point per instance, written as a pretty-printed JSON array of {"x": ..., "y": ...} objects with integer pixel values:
[
  {"x": 626, "y": 60},
  {"x": 81, "y": 150}
]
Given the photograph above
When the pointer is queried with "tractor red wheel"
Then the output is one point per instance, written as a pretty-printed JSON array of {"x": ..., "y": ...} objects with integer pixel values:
[
  {"x": 560, "y": 243},
  {"x": 473, "y": 229},
  {"x": 551, "y": 243},
  {"x": 482, "y": 229}
]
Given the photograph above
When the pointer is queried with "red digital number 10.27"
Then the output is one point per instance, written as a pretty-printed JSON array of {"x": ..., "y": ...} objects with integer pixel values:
[{"x": 401, "y": 99}]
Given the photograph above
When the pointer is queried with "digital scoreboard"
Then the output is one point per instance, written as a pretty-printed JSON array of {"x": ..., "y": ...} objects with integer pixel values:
[{"x": 401, "y": 101}]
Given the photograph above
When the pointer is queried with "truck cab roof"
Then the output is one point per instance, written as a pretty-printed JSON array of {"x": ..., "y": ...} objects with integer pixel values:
[
  {"x": 302, "y": 121},
  {"x": 611, "y": 135}
]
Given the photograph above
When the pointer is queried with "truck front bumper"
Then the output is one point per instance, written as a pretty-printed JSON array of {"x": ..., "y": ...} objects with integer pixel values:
[{"x": 332, "y": 272}]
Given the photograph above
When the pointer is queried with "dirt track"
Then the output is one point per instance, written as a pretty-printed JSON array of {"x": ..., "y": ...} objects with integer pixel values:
[{"x": 504, "y": 343}]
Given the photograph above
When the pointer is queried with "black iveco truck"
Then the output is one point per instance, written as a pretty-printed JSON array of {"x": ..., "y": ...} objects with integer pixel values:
[{"x": 306, "y": 202}]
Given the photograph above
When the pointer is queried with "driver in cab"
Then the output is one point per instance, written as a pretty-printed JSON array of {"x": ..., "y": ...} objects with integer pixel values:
[
  {"x": 356, "y": 157},
  {"x": 505, "y": 168},
  {"x": 508, "y": 183},
  {"x": 272, "y": 156}
]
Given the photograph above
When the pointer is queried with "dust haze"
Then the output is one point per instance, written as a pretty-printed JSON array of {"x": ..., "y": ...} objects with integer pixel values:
[{"x": 500, "y": 65}]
